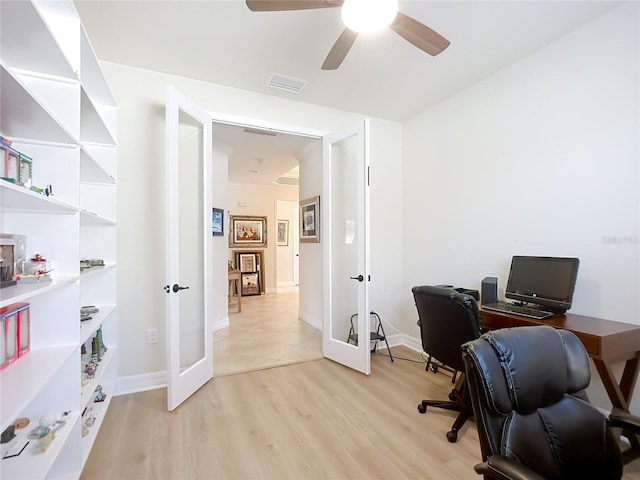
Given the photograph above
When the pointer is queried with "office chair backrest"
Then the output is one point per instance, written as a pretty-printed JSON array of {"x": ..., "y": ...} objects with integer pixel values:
[
  {"x": 447, "y": 319},
  {"x": 527, "y": 387}
]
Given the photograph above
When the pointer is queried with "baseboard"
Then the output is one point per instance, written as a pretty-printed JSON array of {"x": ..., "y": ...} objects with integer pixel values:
[
  {"x": 151, "y": 381},
  {"x": 141, "y": 383},
  {"x": 286, "y": 284},
  {"x": 310, "y": 319},
  {"x": 220, "y": 324}
]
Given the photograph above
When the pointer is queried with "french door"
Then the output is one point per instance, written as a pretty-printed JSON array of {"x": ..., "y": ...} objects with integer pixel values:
[
  {"x": 188, "y": 247},
  {"x": 345, "y": 231}
]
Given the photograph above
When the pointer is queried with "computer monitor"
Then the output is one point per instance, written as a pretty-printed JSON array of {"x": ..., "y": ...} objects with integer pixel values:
[{"x": 545, "y": 281}]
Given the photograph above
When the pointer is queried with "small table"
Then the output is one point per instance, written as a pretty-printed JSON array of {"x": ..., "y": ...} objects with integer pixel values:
[{"x": 235, "y": 288}]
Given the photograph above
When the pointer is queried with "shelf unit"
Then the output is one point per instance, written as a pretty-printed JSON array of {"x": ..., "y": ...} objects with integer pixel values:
[{"x": 57, "y": 109}]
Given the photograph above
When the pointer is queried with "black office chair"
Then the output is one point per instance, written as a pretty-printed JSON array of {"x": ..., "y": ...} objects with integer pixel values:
[
  {"x": 447, "y": 319},
  {"x": 534, "y": 420}
]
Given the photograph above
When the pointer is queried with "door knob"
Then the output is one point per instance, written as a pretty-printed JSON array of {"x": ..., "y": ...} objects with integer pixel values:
[
  {"x": 177, "y": 287},
  {"x": 360, "y": 278}
]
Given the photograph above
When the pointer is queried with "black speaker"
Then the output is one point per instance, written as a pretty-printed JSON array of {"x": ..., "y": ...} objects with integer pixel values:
[{"x": 489, "y": 290}]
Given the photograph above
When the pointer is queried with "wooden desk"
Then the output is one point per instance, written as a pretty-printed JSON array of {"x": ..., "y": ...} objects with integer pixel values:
[
  {"x": 235, "y": 285},
  {"x": 606, "y": 342}
]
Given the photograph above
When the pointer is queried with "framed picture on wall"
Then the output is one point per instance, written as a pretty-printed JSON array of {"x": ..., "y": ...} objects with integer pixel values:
[
  {"x": 310, "y": 220},
  {"x": 282, "y": 233},
  {"x": 248, "y": 231},
  {"x": 217, "y": 221}
]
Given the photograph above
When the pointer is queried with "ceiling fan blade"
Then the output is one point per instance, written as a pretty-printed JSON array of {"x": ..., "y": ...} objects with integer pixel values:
[
  {"x": 419, "y": 34},
  {"x": 282, "y": 5},
  {"x": 340, "y": 49}
]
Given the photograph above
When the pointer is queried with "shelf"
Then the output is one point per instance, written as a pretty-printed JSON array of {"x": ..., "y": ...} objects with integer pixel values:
[
  {"x": 21, "y": 381},
  {"x": 90, "y": 219},
  {"x": 23, "y": 115},
  {"x": 14, "y": 198},
  {"x": 91, "y": 171},
  {"x": 91, "y": 74},
  {"x": 23, "y": 292},
  {"x": 90, "y": 387},
  {"x": 34, "y": 47},
  {"x": 89, "y": 272},
  {"x": 28, "y": 464},
  {"x": 93, "y": 127},
  {"x": 88, "y": 327},
  {"x": 99, "y": 410}
]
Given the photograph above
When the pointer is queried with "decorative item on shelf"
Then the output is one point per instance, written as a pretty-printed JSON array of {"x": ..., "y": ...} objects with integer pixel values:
[
  {"x": 102, "y": 349},
  {"x": 37, "y": 270},
  {"x": 99, "y": 395},
  {"x": 91, "y": 262},
  {"x": 12, "y": 255},
  {"x": 90, "y": 369},
  {"x": 15, "y": 333},
  {"x": 87, "y": 311},
  {"x": 8, "y": 434},
  {"x": 11, "y": 164},
  {"x": 15, "y": 166},
  {"x": 26, "y": 170},
  {"x": 95, "y": 351}
]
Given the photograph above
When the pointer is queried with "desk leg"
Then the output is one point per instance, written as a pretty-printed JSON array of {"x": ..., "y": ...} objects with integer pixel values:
[{"x": 620, "y": 396}]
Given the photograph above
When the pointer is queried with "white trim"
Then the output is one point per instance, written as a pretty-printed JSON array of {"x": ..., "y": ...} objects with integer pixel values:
[
  {"x": 141, "y": 383},
  {"x": 154, "y": 380},
  {"x": 266, "y": 125},
  {"x": 220, "y": 324},
  {"x": 310, "y": 319}
]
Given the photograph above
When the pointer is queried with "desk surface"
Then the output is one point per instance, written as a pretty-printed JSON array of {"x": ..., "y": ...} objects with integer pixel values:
[{"x": 603, "y": 339}]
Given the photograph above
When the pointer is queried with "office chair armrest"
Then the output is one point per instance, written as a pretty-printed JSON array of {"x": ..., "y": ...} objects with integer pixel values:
[
  {"x": 500, "y": 467},
  {"x": 626, "y": 421}
]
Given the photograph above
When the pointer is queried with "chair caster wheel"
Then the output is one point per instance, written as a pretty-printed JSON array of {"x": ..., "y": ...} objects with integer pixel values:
[
  {"x": 422, "y": 408},
  {"x": 434, "y": 368},
  {"x": 452, "y": 397},
  {"x": 452, "y": 436}
]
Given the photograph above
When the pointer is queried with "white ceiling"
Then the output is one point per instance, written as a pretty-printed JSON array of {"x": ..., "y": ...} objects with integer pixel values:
[{"x": 382, "y": 76}]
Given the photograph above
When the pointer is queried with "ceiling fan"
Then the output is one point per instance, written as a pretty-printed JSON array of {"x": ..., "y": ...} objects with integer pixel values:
[{"x": 408, "y": 28}]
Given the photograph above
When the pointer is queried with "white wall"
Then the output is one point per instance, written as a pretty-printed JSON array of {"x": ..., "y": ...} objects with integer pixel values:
[
  {"x": 541, "y": 158},
  {"x": 140, "y": 96}
]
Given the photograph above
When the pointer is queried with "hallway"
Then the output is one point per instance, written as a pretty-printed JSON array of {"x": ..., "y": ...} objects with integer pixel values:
[{"x": 267, "y": 333}]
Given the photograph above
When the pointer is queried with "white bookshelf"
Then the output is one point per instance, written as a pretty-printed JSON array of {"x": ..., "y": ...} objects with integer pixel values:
[{"x": 57, "y": 109}]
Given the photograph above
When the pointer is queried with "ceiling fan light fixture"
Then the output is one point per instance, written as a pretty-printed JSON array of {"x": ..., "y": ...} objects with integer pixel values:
[{"x": 367, "y": 16}]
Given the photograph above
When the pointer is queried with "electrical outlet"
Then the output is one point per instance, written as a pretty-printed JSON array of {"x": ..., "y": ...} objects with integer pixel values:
[{"x": 152, "y": 335}]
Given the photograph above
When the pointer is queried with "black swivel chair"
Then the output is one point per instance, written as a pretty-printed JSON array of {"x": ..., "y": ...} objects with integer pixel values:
[
  {"x": 534, "y": 420},
  {"x": 447, "y": 319}
]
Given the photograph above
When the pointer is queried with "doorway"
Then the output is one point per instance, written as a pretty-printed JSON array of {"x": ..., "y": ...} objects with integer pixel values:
[{"x": 268, "y": 330}]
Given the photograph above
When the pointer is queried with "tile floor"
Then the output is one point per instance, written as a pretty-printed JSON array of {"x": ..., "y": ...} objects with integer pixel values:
[{"x": 267, "y": 333}]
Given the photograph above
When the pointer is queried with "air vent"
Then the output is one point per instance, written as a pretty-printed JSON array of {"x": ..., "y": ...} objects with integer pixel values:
[
  {"x": 283, "y": 82},
  {"x": 259, "y": 131}
]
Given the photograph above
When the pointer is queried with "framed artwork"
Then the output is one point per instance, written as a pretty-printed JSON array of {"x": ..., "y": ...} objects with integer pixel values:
[
  {"x": 250, "y": 284},
  {"x": 282, "y": 233},
  {"x": 248, "y": 231},
  {"x": 217, "y": 221},
  {"x": 310, "y": 220},
  {"x": 247, "y": 262}
]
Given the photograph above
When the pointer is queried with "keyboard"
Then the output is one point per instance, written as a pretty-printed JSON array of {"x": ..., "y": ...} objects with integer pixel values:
[{"x": 517, "y": 310}]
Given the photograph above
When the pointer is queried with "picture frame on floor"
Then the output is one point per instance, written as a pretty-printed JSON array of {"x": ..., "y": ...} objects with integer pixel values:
[{"x": 250, "y": 284}]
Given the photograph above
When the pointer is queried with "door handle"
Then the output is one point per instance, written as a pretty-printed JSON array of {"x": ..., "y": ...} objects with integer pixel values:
[
  {"x": 360, "y": 278},
  {"x": 177, "y": 287}
]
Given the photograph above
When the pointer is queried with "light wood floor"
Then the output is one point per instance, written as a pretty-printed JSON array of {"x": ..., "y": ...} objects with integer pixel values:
[
  {"x": 265, "y": 334},
  {"x": 311, "y": 420}
]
